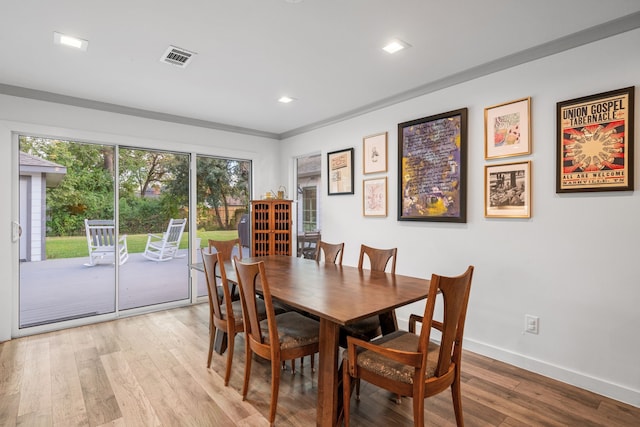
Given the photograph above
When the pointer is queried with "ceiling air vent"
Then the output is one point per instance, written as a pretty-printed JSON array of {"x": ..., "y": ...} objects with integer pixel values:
[{"x": 177, "y": 56}]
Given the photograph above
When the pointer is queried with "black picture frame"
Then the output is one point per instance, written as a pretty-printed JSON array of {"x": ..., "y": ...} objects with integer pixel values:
[
  {"x": 432, "y": 168},
  {"x": 340, "y": 172},
  {"x": 595, "y": 142}
]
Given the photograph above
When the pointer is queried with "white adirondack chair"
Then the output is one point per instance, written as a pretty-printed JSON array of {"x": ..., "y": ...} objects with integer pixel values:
[
  {"x": 101, "y": 241},
  {"x": 165, "y": 247}
]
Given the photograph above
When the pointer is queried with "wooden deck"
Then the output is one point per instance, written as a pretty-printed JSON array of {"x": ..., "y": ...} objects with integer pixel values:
[{"x": 64, "y": 289}]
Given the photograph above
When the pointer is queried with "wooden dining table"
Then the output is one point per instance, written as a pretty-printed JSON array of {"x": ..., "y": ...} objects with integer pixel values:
[{"x": 338, "y": 295}]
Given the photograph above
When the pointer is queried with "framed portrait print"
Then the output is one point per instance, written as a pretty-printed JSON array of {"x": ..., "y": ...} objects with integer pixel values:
[
  {"x": 340, "y": 173},
  {"x": 507, "y": 129},
  {"x": 374, "y": 153},
  {"x": 374, "y": 197},
  {"x": 507, "y": 190},
  {"x": 432, "y": 168},
  {"x": 595, "y": 142}
]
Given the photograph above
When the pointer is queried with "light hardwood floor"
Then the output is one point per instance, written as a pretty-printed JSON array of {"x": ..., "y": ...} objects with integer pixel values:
[{"x": 151, "y": 370}]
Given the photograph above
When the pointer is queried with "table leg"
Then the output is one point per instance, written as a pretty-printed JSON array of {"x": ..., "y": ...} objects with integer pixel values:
[
  {"x": 327, "y": 410},
  {"x": 388, "y": 322},
  {"x": 220, "y": 342}
]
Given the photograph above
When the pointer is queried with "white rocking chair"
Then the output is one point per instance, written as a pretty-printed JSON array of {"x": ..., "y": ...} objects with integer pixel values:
[
  {"x": 165, "y": 247},
  {"x": 101, "y": 241}
]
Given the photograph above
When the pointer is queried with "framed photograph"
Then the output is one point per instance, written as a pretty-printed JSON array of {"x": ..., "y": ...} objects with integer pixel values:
[
  {"x": 507, "y": 190},
  {"x": 595, "y": 142},
  {"x": 507, "y": 129},
  {"x": 340, "y": 177},
  {"x": 374, "y": 153},
  {"x": 374, "y": 197},
  {"x": 432, "y": 168}
]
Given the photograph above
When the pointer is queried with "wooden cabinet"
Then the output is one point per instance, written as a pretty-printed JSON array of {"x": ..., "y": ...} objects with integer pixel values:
[{"x": 271, "y": 223}]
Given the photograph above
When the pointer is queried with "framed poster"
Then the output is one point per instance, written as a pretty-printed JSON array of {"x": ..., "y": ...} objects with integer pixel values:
[
  {"x": 374, "y": 153},
  {"x": 507, "y": 129},
  {"x": 507, "y": 190},
  {"x": 374, "y": 197},
  {"x": 595, "y": 142},
  {"x": 432, "y": 168},
  {"x": 340, "y": 177}
]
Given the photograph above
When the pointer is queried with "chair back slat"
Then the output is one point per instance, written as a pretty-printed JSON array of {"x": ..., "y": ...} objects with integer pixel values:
[
  {"x": 175, "y": 230},
  {"x": 226, "y": 248},
  {"x": 378, "y": 258},
  {"x": 100, "y": 232},
  {"x": 211, "y": 263}
]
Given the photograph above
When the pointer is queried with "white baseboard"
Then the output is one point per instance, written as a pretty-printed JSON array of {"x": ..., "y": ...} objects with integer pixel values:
[{"x": 596, "y": 385}]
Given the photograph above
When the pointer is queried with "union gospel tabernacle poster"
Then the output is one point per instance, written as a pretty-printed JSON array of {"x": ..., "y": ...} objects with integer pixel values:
[{"x": 595, "y": 142}]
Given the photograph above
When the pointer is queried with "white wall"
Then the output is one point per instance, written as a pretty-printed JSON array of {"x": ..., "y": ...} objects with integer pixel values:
[
  {"x": 49, "y": 119},
  {"x": 573, "y": 263}
]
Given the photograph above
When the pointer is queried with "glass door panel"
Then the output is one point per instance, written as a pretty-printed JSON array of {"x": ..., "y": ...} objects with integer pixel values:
[
  {"x": 62, "y": 184},
  {"x": 222, "y": 204},
  {"x": 154, "y": 202}
]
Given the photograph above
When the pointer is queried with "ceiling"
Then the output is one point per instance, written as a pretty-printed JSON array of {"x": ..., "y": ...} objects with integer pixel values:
[{"x": 325, "y": 53}]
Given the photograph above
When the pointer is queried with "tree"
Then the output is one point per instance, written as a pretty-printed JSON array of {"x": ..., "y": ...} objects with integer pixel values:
[
  {"x": 87, "y": 189},
  {"x": 141, "y": 169},
  {"x": 219, "y": 181}
]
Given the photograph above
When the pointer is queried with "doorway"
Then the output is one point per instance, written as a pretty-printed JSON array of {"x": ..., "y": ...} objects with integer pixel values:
[{"x": 308, "y": 179}]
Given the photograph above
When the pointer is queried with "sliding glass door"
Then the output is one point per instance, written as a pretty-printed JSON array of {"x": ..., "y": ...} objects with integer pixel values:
[{"x": 105, "y": 228}]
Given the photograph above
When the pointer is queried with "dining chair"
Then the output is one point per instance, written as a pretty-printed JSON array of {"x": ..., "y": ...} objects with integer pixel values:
[
  {"x": 411, "y": 365},
  {"x": 310, "y": 244},
  {"x": 226, "y": 249},
  {"x": 369, "y": 328},
  {"x": 277, "y": 338},
  {"x": 332, "y": 252},
  {"x": 224, "y": 314}
]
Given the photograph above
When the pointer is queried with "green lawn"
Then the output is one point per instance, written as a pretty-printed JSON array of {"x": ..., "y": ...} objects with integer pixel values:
[{"x": 76, "y": 246}]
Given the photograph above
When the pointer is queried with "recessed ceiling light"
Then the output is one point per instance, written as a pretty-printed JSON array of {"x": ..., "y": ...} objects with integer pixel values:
[
  {"x": 293, "y": 1},
  {"x": 63, "y": 39},
  {"x": 286, "y": 99},
  {"x": 396, "y": 46}
]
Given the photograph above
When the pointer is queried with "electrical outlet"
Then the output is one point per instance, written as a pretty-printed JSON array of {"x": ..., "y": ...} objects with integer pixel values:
[{"x": 531, "y": 324}]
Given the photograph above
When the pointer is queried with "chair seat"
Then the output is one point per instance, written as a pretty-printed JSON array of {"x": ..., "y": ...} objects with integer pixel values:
[
  {"x": 234, "y": 293},
  {"x": 236, "y": 306},
  {"x": 385, "y": 367},
  {"x": 294, "y": 330}
]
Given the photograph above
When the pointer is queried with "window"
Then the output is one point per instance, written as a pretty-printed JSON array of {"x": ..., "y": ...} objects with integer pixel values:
[{"x": 309, "y": 208}]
